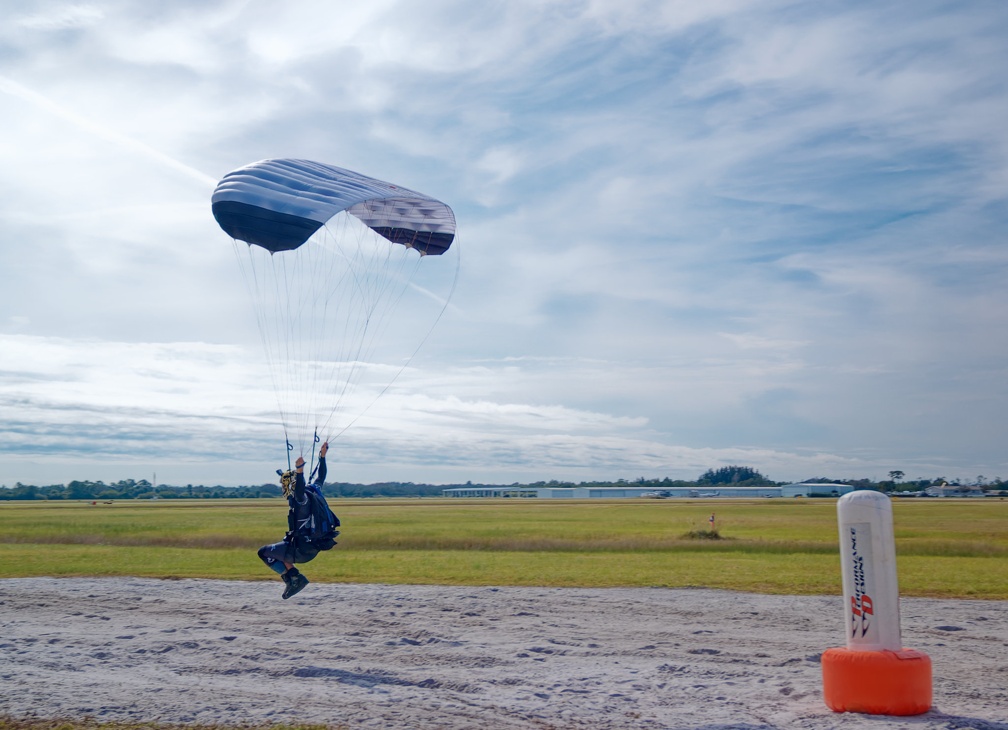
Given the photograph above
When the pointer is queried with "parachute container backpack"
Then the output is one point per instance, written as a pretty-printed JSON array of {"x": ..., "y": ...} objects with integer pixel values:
[{"x": 348, "y": 276}]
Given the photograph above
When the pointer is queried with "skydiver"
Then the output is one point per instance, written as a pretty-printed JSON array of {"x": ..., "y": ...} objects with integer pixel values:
[{"x": 280, "y": 557}]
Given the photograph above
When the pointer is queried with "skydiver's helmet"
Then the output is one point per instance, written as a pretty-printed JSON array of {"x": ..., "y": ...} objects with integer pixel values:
[{"x": 287, "y": 481}]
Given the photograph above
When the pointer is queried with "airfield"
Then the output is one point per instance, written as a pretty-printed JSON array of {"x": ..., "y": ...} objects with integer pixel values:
[{"x": 483, "y": 613}]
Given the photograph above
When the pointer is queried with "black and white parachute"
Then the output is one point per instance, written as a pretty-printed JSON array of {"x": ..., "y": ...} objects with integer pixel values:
[{"x": 340, "y": 270}]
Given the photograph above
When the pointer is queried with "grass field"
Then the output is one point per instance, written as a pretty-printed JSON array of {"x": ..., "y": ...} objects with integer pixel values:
[{"x": 945, "y": 548}]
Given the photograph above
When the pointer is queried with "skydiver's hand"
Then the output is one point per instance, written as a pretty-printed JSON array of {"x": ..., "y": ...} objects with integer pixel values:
[
  {"x": 324, "y": 449},
  {"x": 299, "y": 464}
]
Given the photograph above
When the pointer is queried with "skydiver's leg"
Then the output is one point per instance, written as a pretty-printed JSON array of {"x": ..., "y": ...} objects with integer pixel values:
[{"x": 278, "y": 557}]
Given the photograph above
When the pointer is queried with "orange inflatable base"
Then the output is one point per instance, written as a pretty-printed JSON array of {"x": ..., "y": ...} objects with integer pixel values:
[{"x": 877, "y": 682}]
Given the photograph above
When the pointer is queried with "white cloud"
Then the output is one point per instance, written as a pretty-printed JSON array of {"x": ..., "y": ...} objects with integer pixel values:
[
  {"x": 61, "y": 18},
  {"x": 769, "y": 233}
]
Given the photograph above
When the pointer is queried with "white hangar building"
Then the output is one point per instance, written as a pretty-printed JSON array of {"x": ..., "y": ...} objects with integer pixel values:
[{"x": 804, "y": 489}]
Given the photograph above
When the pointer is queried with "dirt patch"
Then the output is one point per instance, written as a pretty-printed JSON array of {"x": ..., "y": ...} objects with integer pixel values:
[{"x": 210, "y": 652}]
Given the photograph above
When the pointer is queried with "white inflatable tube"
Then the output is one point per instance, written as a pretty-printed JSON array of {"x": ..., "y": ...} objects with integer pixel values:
[{"x": 868, "y": 562}]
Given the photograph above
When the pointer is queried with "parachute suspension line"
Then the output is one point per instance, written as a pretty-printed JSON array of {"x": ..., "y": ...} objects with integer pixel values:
[
  {"x": 381, "y": 274},
  {"x": 369, "y": 269},
  {"x": 279, "y": 304},
  {"x": 331, "y": 346},
  {"x": 357, "y": 303},
  {"x": 330, "y": 352},
  {"x": 293, "y": 311},
  {"x": 346, "y": 275},
  {"x": 291, "y": 297},
  {"x": 258, "y": 290},
  {"x": 406, "y": 363},
  {"x": 317, "y": 279}
]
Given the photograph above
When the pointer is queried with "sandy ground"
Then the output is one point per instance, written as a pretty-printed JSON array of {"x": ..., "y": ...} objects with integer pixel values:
[{"x": 377, "y": 656}]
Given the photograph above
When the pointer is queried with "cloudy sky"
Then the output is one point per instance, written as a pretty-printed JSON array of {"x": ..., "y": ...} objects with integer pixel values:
[{"x": 691, "y": 234}]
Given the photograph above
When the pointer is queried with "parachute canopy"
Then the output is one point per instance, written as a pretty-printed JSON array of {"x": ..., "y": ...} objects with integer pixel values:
[
  {"x": 279, "y": 204},
  {"x": 342, "y": 285}
]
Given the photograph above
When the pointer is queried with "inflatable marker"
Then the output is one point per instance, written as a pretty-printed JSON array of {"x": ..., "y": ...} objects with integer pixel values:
[{"x": 873, "y": 674}]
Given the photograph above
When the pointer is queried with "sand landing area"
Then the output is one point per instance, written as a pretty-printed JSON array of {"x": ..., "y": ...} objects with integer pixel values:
[{"x": 380, "y": 656}]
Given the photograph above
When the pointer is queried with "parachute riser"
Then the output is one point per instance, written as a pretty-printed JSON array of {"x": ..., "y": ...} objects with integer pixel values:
[{"x": 314, "y": 467}]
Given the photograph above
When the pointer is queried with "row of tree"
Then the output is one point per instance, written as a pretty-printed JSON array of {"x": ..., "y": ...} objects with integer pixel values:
[{"x": 741, "y": 476}]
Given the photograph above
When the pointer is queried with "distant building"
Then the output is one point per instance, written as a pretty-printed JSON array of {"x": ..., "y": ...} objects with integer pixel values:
[
  {"x": 790, "y": 490},
  {"x": 811, "y": 489},
  {"x": 953, "y": 490},
  {"x": 489, "y": 492}
]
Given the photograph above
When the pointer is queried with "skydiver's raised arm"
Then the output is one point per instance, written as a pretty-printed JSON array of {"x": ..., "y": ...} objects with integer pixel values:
[
  {"x": 299, "y": 482},
  {"x": 320, "y": 478}
]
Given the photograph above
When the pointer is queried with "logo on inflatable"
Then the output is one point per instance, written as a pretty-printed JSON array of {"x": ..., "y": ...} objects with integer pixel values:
[{"x": 862, "y": 609}]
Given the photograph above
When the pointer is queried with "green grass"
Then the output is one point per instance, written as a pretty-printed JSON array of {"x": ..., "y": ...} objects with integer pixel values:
[{"x": 945, "y": 548}]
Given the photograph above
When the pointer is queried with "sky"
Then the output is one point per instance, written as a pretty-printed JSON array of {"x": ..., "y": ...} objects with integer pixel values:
[{"x": 691, "y": 235}]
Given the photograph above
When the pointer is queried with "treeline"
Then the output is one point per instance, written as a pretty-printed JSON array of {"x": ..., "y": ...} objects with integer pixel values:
[
  {"x": 133, "y": 489},
  {"x": 740, "y": 476},
  {"x": 143, "y": 489}
]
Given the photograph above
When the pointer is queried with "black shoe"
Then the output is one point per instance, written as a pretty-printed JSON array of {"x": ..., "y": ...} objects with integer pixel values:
[
  {"x": 286, "y": 577},
  {"x": 295, "y": 583}
]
